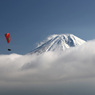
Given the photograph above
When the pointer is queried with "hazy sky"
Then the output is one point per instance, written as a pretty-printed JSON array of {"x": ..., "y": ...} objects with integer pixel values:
[{"x": 31, "y": 21}]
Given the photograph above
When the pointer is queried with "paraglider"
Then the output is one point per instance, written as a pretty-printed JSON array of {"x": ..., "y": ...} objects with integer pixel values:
[
  {"x": 9, "y": 49},
  {"x": 8, "y": 38}
]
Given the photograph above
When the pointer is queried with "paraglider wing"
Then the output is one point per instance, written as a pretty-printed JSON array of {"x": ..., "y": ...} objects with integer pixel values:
[{"x": 8, "y": 38}]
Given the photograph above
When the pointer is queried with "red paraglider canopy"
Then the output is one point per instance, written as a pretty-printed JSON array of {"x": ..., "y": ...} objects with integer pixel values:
[{"x": 8, "y": 38}]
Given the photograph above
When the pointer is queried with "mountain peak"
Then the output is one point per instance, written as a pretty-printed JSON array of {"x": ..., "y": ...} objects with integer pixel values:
[{"x": 58, "y": 42}]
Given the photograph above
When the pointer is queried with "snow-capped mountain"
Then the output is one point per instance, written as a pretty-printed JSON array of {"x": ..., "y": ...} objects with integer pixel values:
[{"x": 58, "y": 42}]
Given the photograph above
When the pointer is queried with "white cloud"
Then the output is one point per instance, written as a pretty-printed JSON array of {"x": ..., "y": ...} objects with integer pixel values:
[{"x": 76, "y": 65}]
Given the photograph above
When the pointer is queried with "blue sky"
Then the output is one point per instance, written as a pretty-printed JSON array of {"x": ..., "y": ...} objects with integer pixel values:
[{"x": 31, "y": 21}]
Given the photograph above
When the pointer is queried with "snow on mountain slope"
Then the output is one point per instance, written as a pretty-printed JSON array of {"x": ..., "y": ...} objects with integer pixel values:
[{"x": 58, "y": 42}]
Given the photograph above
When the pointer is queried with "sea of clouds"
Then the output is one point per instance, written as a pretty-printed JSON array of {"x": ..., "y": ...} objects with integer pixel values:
[{"x": 61, "y": 73}]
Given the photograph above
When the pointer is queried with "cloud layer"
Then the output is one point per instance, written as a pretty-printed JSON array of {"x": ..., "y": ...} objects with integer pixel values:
[{"x": 56, "y": 73}]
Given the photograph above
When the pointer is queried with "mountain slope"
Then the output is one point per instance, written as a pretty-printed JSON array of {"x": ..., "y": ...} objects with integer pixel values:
[{"x": 58, "y": 42}]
